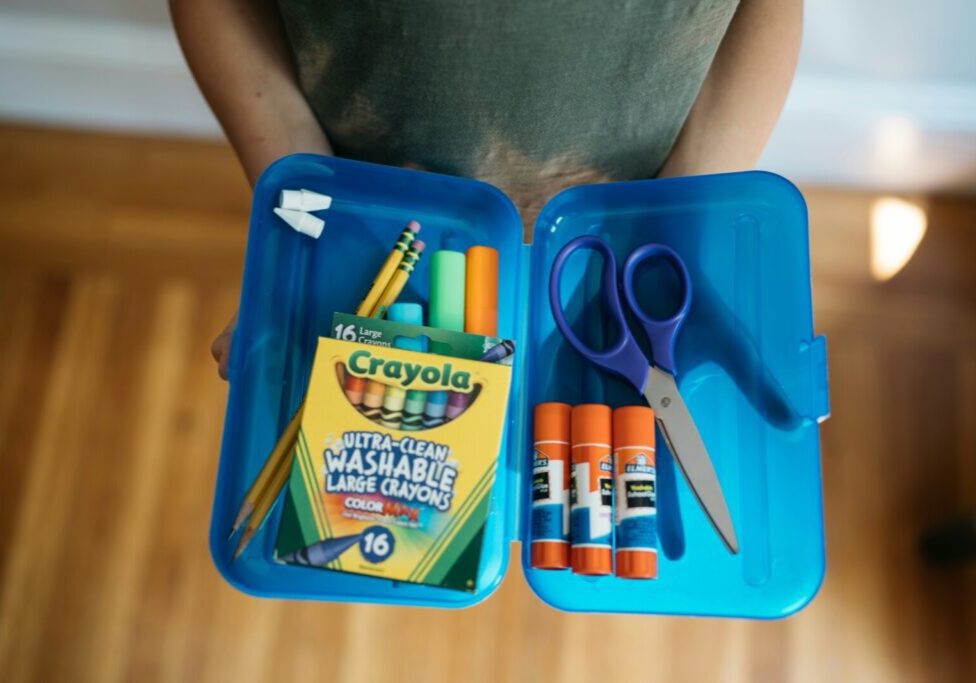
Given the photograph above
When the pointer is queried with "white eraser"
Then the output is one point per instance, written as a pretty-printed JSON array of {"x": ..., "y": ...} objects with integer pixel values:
[
  {"x": 304, "y": 200},
  {"x": 305, "y": 223}
]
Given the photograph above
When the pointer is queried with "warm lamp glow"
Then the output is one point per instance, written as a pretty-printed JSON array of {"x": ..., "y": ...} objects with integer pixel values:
[
  {"x": 897, "y": 228},
  {"x": 896, "y": 142}
]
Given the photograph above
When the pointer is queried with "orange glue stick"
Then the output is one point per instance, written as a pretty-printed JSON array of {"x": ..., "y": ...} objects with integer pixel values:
[
  {"x": 550, "y": 486},
  {"x": 591, "y": 490},
  {"x": 636, "y": 483}
]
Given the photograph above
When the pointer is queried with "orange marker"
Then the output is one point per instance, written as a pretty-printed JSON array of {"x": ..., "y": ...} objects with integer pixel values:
[
  {"x": 591, "y": 492},
  {"x": 550, "y": 486},
  {"x": 481, "y": 291},
  {"x": 636, "y": 483}
]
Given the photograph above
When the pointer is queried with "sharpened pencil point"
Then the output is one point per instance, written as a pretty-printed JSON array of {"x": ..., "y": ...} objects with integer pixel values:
[
  {"x": 246, "y": 509},
  {"x": 245, "y": 539}
]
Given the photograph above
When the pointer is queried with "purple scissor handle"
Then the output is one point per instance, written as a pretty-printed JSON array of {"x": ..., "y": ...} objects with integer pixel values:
[
  {"x": 653, "y": 378},
  {"x": 624, "y": 356}
]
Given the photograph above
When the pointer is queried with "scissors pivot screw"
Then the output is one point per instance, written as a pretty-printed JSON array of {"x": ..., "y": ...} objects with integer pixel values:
[{"x": 666, "y": 401}]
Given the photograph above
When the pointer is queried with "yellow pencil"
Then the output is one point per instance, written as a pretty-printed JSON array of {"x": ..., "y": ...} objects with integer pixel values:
[
  {"x": 375, "y": 303},
  {"x": 399, "y": 279},
  {"x": 281, "y": 450},
  {"x": 367, "y": 305},
  {"x": 264, "y": 502},
  {"x": 382, "y": 279}
]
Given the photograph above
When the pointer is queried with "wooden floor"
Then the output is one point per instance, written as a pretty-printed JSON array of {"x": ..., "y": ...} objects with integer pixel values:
[{"x": 121, "y": 258}]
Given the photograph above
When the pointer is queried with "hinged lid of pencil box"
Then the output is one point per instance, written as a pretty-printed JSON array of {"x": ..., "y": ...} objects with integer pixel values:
[{"x": 751, "y": 370}]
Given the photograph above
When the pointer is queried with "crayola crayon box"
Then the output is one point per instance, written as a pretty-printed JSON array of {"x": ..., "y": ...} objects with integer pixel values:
[{"x": 370, "y": 498}]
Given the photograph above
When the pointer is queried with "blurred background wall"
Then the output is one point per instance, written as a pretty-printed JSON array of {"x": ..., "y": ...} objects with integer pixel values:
[
  {"x": 122, "y": 234},
  {"x": 893, "y": 82}
]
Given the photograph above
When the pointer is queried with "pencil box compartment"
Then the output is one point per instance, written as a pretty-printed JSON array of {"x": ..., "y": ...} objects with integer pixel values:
[
  {"x": 292, "y": 287},
  {"x": 748, "y": 364},
  {"x": 744, "y": 238}
]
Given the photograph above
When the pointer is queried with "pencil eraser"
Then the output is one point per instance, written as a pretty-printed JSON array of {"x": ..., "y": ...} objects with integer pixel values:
[
  {"x": 304, "y": 200},
  {"x": 305, "y": 223}
]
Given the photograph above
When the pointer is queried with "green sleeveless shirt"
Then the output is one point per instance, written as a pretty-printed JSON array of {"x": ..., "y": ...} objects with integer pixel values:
[{"x": 531, "y": 95}]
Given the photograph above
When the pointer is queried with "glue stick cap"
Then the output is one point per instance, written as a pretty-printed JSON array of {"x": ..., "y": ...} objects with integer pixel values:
[
  {"x": 633, "y": 426},
  {"x": 481, "y": 291},
  {"x": 551, "y": 421},
  {"x": 447, "y": 290},
  {"x": 591, "y": 423}
]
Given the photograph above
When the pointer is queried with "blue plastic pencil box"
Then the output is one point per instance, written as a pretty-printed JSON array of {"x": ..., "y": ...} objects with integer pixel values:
[{"x": 752, "y": 371}]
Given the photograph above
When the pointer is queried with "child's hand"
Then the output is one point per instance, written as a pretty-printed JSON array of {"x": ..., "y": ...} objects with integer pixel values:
[{"x": 220, "y": 349}]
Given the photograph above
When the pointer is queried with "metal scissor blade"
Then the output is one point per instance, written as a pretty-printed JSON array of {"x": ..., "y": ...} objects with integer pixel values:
[{"x": 689, "y": 451}]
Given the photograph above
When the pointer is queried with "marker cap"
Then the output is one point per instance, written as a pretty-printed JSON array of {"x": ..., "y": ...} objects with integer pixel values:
[
  {"x": 633, "y": 426},
  {"x": 304, "y": 223},
  {"x": 304, "y": 200},
  {"x": 447, "y": 272},
  {"x": 552, "y": 421},
  {"x": 410, "y": 314},
  {"x": 481, "y": 291}
]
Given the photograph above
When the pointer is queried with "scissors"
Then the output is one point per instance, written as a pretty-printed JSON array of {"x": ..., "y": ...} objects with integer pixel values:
[{"x": 654, "y": 377}]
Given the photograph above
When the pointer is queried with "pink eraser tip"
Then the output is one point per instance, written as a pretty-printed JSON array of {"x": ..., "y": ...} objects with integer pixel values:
[
  {"x": 418, "y": 246},
  {"x": 413, "y": 226}
]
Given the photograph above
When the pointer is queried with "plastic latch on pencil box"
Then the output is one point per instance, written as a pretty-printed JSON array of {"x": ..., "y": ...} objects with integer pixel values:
[{"x": 815, "y": 353}]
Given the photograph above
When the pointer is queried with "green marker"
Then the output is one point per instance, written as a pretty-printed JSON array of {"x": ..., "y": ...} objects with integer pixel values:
[{"x": 447, "y": 278}]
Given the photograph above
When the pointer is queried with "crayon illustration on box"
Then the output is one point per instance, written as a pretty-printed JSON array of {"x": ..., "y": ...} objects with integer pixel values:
[{"x": 374, "y": 497}]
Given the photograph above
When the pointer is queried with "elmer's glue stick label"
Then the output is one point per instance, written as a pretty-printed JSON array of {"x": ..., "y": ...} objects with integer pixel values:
[
  {"x": 636, "y": 481},
  {"x": 591, "y": 492},
  {"x": 550, "y": 486}
]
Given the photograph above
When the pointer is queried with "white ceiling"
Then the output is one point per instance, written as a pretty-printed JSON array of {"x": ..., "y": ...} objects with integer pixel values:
[
  {"x": 891, "y": 39},
  {"x": 884, "y": 98},
  {"x": 147, "y": 13},
  {"x": 885, "y": 95}
]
